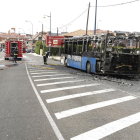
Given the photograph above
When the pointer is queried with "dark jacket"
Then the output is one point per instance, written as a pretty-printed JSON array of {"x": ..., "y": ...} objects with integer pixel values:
[{"x": 16, "y": 51}]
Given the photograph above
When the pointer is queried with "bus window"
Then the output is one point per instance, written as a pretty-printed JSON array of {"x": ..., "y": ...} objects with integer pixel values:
[
  {"x": 66, "y": 48},
  {"x": 89, "y": 46},
  {"x": 74, "y": 47},
  {"x": 79, "y": 48},
  {"x": 70, "y": 47}
]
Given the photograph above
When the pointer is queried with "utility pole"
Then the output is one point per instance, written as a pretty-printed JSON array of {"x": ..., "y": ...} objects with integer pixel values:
[
  {"x": 50, "y": 36},
  {"x": 42, "y": 37},
  {"x": 41, "y": 47},
  {"x": 87, "y": 18},
  {"x": 57, "y": 31},
  {"x": 95, "y": 18}
]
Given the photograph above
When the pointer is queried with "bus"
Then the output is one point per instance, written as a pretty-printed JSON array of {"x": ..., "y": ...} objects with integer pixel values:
[{"x": 110, "y": 53}]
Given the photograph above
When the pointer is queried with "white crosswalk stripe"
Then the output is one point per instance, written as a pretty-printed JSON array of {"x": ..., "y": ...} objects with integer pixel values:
[
  {"x": 65, "y": 88},
  {"x": 35, "y": 69},
  {"x": 50, "y": 75},
  {"x": 55, "y": 83},
  {"x": 78, "y": 95},
  {"x": 53, "y": 78},
  {"x": 99, "y": 132},
  {"x": 108, "y": 129},
  {"x": 82, "y": 109},
  {"x": 44, "y": 72}
]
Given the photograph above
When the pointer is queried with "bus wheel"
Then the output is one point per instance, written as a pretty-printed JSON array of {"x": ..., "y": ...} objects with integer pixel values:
[{"x": 88, "y": 67}]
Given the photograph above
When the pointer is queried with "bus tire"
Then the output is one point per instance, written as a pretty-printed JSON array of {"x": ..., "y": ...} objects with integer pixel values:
[{"x": 88, "y": 67}]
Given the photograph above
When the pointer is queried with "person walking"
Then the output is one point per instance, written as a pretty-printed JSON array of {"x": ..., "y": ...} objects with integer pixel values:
[
  {"x": 45, "y": 57},
  {"x": 15, "y": 54}
]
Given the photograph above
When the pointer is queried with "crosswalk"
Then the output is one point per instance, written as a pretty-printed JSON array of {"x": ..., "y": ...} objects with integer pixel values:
[{"x": 62, "y": 88}]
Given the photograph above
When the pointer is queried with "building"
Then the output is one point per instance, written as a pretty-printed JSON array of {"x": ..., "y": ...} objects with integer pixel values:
[
  {"x": 14, "y": 36},
  {"x": 83, "y": 32},
  {"x": 37, "y": 37}
]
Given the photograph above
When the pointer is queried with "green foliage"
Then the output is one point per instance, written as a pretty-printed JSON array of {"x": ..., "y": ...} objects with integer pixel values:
[
  {"x": 40, "y": 45},
  {"x": 90, "y": 48},
  {"x": 45, "y": 49},
  {"x": 55, "y": 51},
  {"x": 37, "y": 48}
]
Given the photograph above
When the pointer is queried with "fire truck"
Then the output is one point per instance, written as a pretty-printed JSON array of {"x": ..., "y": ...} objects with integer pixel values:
[{"x": 10, "y": 45}]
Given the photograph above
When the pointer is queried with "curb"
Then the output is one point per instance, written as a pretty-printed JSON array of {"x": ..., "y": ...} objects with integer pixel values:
[
  {"x": 3, "y": 68},
  {"x": 42, "y": 67}
]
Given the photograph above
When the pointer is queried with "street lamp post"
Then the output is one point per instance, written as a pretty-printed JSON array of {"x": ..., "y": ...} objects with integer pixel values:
[
  {"x": 49, "y": 33},
  {"x": 32, "y": 33},
  {"x": 95, "y": 18},
  {"x": 41, "y": 40}
]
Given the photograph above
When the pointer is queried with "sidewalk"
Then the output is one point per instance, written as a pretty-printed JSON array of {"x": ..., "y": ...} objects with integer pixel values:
[
  {"x": 51, "y": 60},
  {"x": 52, "y": 57},
  {"x": 55, "y": 57}
]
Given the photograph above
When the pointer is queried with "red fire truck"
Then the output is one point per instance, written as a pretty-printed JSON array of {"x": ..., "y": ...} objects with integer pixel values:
[{"x": 10, "y": 45}]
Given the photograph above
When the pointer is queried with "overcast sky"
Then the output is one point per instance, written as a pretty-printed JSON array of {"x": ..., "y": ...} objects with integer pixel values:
[{"x": 14, "y": 13}]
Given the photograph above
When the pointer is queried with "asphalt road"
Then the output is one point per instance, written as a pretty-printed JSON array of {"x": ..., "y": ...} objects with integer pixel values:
[{"x": 55, "y": 102}]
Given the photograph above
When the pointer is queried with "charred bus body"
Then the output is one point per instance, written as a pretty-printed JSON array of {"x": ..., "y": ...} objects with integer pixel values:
[{"x": 109, "y": 53}]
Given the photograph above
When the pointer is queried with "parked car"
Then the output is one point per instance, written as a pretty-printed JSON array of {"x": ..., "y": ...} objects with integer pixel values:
[
  {"x": 28, "y": 50},
  {"x": 33, "y": 50}
]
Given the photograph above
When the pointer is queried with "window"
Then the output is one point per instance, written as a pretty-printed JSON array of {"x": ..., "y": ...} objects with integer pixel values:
[{"x": 39, "y": 38}]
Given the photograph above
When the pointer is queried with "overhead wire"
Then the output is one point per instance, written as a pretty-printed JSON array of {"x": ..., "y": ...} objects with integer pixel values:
[
  {"x": 95, "y": 6},
  {"x": 116, "y": 4},
  {"x": 72, "y": 20}
]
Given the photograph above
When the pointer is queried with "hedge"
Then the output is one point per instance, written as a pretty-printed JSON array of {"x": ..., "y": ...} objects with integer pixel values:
[{"x": 54, "y": 51}]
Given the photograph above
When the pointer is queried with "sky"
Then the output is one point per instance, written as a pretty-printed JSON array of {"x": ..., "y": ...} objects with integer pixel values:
[{"x": 14, "y": 13}]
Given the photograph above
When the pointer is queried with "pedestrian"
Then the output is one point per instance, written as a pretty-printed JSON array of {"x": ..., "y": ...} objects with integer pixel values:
[
  {"x": 45, "y": 57},
  {"x": 15, "y": 54}
]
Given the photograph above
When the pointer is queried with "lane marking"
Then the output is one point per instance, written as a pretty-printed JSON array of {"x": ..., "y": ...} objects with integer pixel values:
[
  {"x": 52, "y": 123},
  {"x": 108, "y": 129},
  {"x": 65, "y": 88},
  {"x": 35, "y": 69},
  {"x": 78, "y": 95},
  {"x": 50, "y": 75},
  {"x": 55, "y": 83},
  {"x": 86, "y": 108},
  {"x": 53, "y": 78},
  {"x": 44, "y": 72}
]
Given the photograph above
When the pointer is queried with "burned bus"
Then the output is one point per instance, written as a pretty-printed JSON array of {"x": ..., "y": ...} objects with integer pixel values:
[{"x": 111, "y": 53}]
